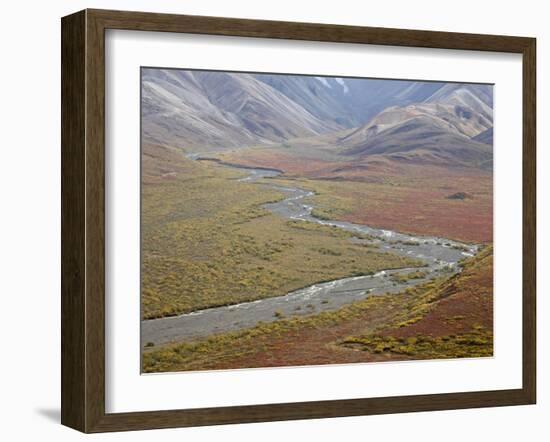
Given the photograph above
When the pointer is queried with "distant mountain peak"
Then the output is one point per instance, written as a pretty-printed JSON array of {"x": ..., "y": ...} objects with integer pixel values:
[{"x": 424, "y": 121}]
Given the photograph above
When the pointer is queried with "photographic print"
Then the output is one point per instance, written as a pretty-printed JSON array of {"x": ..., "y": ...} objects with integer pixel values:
[{"x": 297, "y": 220}]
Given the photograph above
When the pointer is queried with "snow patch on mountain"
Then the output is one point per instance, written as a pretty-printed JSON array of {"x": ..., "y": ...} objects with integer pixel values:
[
  {"x": 324, "y": 81},
  {"x": 342, "y": 83}
]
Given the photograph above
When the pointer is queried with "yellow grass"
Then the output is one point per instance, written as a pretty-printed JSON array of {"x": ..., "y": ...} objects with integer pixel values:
[{"x": 206, "y": 241}]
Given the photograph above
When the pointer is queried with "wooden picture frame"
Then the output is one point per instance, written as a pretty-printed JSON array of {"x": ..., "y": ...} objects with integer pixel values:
[{"x": 83, "y": 220}]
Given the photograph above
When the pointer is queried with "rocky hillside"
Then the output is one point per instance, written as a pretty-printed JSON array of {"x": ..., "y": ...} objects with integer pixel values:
[
  {"x": 427, "y": 122},
  {"x": 216, "y": 109}
]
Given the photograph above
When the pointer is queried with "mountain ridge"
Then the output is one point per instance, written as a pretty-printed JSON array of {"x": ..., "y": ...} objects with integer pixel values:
[{"x": 410, "y": 121}]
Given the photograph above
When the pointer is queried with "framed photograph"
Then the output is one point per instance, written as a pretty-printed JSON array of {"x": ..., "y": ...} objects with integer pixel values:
[{"x": 270, "y": 220}]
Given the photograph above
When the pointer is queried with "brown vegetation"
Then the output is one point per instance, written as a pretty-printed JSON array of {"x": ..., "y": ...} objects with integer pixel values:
[
  {"x": 446, "y": 318},
  {"x": 207, "y": 241},
  {"x": 390, "y": 194}
]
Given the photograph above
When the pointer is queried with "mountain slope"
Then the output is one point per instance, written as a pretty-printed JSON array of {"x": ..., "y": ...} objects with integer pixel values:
[
  {"x": 451, "y": 92},
  {"x": 469, "y": 100},
  {"x": 430, "y": 122},
  {"x": 425, "y": 140},
  {"x": 372, "y": 96},
  {"x": 217, "y": 109},
  {"x": 485, "y": 137},
  {"x": 441, "y": 129},
  {"x": 348, "y": 102},
  {"x": 326, "y": 98}
]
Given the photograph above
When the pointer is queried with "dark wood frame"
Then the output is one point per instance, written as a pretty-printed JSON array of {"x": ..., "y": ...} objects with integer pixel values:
[{"x": 83, "y": 216}]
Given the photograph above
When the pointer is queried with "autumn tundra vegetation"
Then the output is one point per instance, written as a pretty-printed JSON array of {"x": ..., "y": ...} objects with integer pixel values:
[{"x": 398, "y": 156}]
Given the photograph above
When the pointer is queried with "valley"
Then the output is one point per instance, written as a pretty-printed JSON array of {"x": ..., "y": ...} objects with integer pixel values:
[
  {"x": 231, "y": 249},
  {"x": 410, "y": 198},
  {"x": 443, "y": 318},
  {"x": 300, "y": 220}
]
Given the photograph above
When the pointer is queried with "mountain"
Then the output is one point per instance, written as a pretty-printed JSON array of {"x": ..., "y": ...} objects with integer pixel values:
[
  {"x": 327, "y": 98},
  {"x": 434, "y": 122},
  {"x": 372, "y": 96},
  {"x": 463, "y": 93},
  {"x": 470, "y": 101},
  {"x": 348, "y": 102},
  {"x": 485, "y": 137},
  {"x": 441, "y": 129},
  {"x": 423, "y": 139},
  {"x": 218, "y": 109}
]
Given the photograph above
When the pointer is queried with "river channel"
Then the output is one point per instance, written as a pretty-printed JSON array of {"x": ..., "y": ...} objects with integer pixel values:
[{"x": 440, "y": 256}]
